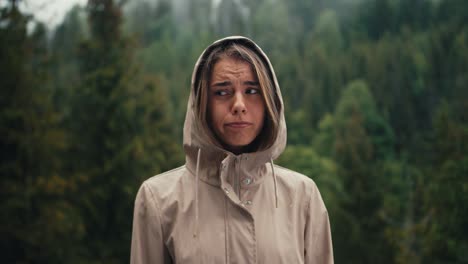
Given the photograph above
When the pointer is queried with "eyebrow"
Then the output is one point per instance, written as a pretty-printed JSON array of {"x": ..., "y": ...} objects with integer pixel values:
[
  {"x": 251, "y": 83},
  {"x": 227, "y": 83}
]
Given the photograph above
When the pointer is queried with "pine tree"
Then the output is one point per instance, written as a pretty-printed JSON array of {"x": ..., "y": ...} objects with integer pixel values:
[
  {"x": 362, "y": 139},
  {"x": 445, "y": 240},
  {"x": 115, "y": 129},
  {"x": 38, "y": 221}
]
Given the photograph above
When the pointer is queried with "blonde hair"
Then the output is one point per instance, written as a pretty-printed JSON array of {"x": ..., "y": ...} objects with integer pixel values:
[{"x": 264, "y": 75}]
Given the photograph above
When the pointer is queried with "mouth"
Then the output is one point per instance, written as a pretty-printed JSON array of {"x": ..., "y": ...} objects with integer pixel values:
[{"x": 238, "y": 124}]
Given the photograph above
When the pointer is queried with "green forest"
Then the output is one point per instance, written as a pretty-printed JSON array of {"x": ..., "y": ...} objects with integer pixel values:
[{"x": 376, "y": 103}]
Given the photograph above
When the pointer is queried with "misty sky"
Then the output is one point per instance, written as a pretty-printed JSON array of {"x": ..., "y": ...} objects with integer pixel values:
[
  {"x": 52, "y": 12},
  {"x": 49, "y": 12}
]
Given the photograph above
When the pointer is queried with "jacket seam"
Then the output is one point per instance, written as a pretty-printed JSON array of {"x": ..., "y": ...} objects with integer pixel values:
[
  {"x": 255, "y": 242},
  {"x": 291, "y": 171},
  {"x": 158, "y": 210},
  {"x": 169, "y": 172},
  {"x": 309, "y": 223},
  {"x": 314, "y": 229},
  {"x": 226, "y": 229}
]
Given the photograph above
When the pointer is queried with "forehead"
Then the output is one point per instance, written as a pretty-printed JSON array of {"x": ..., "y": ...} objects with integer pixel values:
[{"x": 232, "y": 68}]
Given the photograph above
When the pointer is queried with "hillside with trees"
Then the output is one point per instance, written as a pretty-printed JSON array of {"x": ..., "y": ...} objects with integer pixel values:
[{"x": 376, "y": 101}]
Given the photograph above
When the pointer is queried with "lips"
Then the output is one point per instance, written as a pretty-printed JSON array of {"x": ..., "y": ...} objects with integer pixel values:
[{"x": 238, "y": 124}]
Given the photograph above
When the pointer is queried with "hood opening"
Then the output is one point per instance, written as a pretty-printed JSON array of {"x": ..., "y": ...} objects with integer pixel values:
[{"x": 196, "y": 130}]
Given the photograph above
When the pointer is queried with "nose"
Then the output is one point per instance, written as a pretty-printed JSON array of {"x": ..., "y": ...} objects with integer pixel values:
[{"x": 238, "y": 104}]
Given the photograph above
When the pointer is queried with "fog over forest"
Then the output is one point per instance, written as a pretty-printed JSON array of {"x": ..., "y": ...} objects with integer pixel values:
[{"x": 376, "y": 104}]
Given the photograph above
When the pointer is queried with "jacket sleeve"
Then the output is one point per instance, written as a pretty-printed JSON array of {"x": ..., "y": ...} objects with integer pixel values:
[
  {"x": 147, "y": 235},
  {"x": 318, "y": 241}
]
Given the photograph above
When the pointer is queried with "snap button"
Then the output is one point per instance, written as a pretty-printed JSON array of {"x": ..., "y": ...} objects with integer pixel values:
[
  {"x": 247, "y": 181},
  {"x": 248, "y": 202},
  {"x": 226, "y": 190}
]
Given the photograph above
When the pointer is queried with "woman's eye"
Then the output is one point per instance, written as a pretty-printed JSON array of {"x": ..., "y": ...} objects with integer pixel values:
[
  {"x": 221, "y": 92},
  {"x": 252, "y": 91}
]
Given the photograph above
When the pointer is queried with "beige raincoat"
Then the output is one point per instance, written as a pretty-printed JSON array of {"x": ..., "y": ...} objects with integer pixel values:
[{"x": 226, "y": 208}]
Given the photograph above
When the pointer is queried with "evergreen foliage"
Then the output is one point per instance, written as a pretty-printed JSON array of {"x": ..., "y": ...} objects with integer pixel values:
[
  {"x": 36, "y": 211},
  {"x": 375, "y": 100}
]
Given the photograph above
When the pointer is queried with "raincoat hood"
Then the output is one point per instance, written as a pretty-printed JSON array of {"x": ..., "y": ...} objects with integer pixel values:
[{"x": 195, "y": 135}]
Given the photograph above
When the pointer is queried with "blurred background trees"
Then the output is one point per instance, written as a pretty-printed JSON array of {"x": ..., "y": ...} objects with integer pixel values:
[{"x": 376, "y": 105}]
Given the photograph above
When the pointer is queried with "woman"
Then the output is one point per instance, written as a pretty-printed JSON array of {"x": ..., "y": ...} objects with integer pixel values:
[{"x": 230, "y": 203}]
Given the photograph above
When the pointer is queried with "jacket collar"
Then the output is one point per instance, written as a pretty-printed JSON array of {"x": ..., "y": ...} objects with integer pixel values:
[
  {"x": 213, "y": 164},
  {"x": 213, "y": 159}
]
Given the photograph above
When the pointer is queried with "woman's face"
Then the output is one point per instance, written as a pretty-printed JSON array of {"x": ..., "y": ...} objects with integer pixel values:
[{"x": 236, "y": 109}]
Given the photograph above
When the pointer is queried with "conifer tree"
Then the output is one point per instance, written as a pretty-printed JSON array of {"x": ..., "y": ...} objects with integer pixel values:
[
  {"x": 38, "y": 222},
  {"x": 445, "y": 240},
  {"x": 111, "y": 123},
  {"x": 362, "y": 139}
]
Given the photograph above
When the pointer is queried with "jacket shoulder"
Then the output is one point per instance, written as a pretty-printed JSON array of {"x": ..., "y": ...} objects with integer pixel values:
[
  {"x": 294, "y": 177},
  {"x": 167, "y": 176},
  {"x": 166, "y": 183},
  {"x": 299, "y": 187}
]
